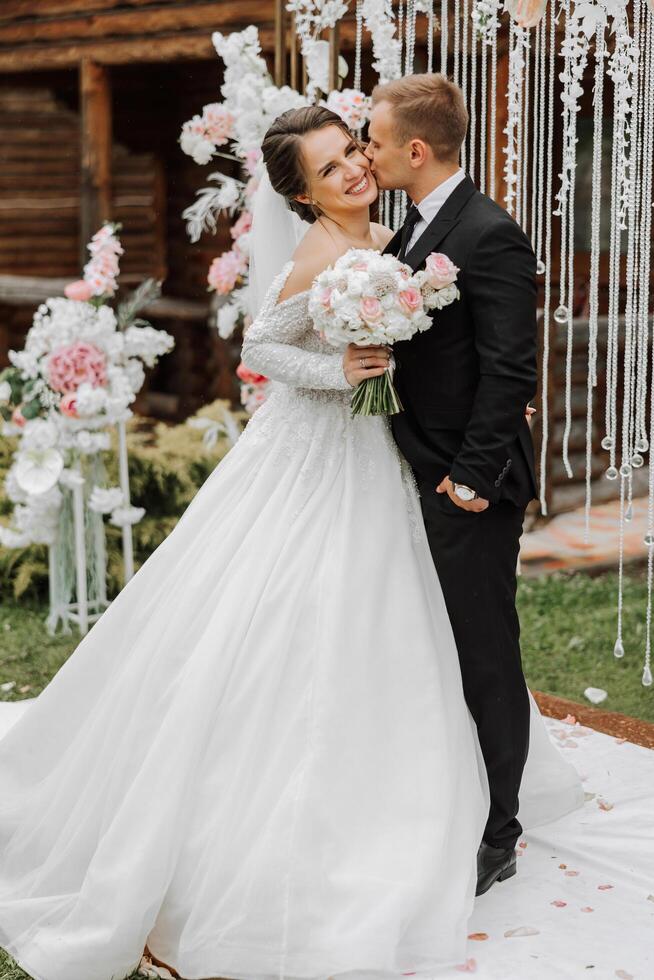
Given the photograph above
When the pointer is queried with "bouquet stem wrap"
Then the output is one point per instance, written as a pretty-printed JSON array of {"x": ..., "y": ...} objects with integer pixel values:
[{"x": 376, "y": 396}]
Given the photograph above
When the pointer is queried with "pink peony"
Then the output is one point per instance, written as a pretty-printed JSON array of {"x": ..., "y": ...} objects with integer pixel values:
[
  {"x": 69, "y": 366},
  {"x": 18, "y": 418},
  {"x": 410, "y": 299},
  {"x": 242, "y": 226},
  {"x": 249, "y": 377},
  {"x": 441, "y": 271},
  {"x": 80, "y": 290},
  {"x": 370, "y": 309},
  {"x": 226, "y": 270},
  {"x": 68, "y": 405}
]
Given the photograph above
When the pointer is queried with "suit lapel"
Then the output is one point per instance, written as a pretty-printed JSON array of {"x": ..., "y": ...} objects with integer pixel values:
[
  {"x": 393, "y": 246},
  {"x": 446, "y": 219}
]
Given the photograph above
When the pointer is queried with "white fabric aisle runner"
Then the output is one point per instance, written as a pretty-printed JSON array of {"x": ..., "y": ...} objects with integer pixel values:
[{"x": 600, "y": 932}]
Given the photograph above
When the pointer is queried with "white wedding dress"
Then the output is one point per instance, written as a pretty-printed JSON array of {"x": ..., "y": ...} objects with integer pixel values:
[{"x": 259, "y": 761}]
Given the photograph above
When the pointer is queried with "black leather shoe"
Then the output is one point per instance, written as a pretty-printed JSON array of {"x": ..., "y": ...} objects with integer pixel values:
[{"x": 494, "y": 864}]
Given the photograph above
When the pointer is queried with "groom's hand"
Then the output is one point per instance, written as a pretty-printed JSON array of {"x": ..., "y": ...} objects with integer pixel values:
[{"x": 476, "y": 505}]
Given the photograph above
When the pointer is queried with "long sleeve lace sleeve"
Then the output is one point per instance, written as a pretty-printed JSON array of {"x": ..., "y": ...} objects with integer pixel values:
[{"x": 282, "y": 345}]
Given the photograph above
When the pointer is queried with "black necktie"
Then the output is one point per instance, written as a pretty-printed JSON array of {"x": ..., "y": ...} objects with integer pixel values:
[{"x": 412, "y": 218}]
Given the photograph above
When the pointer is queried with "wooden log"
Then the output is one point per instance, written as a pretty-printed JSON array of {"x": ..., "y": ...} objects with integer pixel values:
[
  {"x": 178, "y": 17},
  {"x": 95, "y": 101},
  {"x": 12, "y": 9}
]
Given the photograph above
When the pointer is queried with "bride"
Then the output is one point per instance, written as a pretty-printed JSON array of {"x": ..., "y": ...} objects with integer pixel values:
[{"x": 259, "y": 761}]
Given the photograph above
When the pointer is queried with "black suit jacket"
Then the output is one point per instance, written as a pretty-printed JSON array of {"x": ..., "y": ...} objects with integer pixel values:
[{"x": 465, "y": 382}]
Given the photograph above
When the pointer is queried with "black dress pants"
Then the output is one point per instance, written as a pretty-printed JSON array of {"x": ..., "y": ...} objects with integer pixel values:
[{"x": 475, "y": 557}]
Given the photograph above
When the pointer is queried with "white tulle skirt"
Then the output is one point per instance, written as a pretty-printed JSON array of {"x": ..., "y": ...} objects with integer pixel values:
[{"x": 259, "y": 761}]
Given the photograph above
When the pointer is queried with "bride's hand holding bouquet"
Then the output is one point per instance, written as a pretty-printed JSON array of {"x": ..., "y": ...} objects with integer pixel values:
[{"x": 371, "y": 301}]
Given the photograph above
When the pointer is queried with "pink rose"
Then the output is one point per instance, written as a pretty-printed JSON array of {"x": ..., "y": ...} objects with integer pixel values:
[
  {"x": 68, "y": 405},
  {"x": 325, "y": 297},
  {"x": 218, "y": 123},
  {"x": 441, "y": 271},
  {"x": 370, "y": 309},
  {"x": 80, "y": 290},
  {"x": 249, "y": 377},
  {"x": 410, "y": 299},
  {"x": 18, "y": 418}
]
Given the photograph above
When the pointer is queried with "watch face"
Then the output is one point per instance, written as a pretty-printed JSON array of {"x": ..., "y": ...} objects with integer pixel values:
[{"x": 465, "y": 493}]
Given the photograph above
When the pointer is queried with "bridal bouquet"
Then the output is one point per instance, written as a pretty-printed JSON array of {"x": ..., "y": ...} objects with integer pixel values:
[{"x": 370, "y": 299}]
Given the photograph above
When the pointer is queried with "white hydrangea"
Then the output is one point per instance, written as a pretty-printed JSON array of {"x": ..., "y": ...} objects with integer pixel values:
[
  {"x": 5, "y": 391},
  {"x": 90, "y": 400},
  {"x": 39, "y": 434},
  {"x": 227, "y": 319}
]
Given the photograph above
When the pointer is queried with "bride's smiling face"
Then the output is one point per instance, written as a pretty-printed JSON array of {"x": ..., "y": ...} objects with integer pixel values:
[{"x": 338, "y": 174}]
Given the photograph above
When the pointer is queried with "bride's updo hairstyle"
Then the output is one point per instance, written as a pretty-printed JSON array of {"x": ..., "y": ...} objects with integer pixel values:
[{"x": 282, "y": 153}]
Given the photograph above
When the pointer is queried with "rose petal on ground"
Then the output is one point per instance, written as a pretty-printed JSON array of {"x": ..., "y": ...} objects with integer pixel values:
[
  {"x": 587, "y": 908},
  {"x": 569, "y": 719},
  {"x": 563, "y": 866},
  {"x": 478, "y": 937},
  {"x": 604, "y": 888},
  {"x": 624, "y": 975},
  {"x": 604, "y": 805},
  {"x": 571, "y": 874},
  {"x": 522, "y": 843},
  {"x": 469, "y": 966},
  {"x": 558, "y": 903},
  {"x": 521, "y": 931}
]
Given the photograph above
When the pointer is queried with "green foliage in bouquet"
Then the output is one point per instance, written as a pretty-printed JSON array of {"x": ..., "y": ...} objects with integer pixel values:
[{"x": 167, "y": 466}]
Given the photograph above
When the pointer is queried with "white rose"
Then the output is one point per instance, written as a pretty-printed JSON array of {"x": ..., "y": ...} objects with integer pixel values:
[
  {"x": 39, "y": 435},
  {"x": 5, "y": 391}
]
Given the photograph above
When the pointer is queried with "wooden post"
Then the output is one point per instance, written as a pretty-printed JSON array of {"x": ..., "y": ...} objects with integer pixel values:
[
  {"x": 292, "y": 38},
  {"x": 95, "y": 102},
  {"x": 280, "y": 42},
  {"x": 333, "y": 58},
  {"x": 501, "y": 119}
]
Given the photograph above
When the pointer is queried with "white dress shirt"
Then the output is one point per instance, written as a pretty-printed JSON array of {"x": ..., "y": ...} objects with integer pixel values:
[{"x": 432, "y": 203}]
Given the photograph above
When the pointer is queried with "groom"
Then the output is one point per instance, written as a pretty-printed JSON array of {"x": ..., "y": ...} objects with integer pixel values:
[{"x": 465, "y": 385}]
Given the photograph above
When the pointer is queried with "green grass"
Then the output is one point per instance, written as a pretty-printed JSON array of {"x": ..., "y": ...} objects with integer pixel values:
[
  {"x": 10, "y": 971},
  {"x": 568, "y": 633}
]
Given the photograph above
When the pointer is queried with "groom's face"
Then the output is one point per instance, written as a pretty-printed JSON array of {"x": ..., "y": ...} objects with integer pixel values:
[{"x": 389, "y": 161}]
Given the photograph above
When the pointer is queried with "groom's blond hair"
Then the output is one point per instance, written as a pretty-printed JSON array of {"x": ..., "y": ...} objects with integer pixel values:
[{"x": 428, "y": 107}]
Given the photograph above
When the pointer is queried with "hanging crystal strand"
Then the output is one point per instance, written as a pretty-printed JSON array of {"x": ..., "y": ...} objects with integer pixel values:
[
  {"x": 456, "y": 42},
  {"x": 644, "y": 234},
  {"x": 493, "y": 110},
  {"x": 519, "y": 83},
  {"x": 430, "y": 36},
  {"x": 472, "y": 108},
  {"x": 483, "y": 122},
  {"x": 618, "y": 649},
  {"x": 646, "y": 210},
  {"x": 466, "y": 26},
  {"x": 444, "y": 37},
  {"x": 540, "y": 179},
  {"x": 525, "y": 133},
  {"x": 593, "y": 298},
  {"x": 358, "y": 45},
  {"x": 534, "y": 141},
  {"x": 547, "y": 258},
  {"x": 609, "y": 441},
  {"x": 409, "y": 49}
]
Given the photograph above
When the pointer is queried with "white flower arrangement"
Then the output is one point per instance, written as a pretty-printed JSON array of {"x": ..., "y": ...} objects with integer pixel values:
[{"x": 76, "y": 376}]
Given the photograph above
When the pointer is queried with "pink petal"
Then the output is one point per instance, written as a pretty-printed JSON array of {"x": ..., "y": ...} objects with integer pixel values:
[
  {"x": 478, "y": 936},
  {"x": 563, "y": 866},
  {"x": 558, "y": 903},
  {"x": 604, "y": 805},
  {"x": 470, "y": 966},
  {"x": 604, "y": 888},
  {"x": 569, "y": 719},
  {"x": 571, "y": 874},
  {"x": 623, "y": 975},
  {"x": 587, "y": 908},
  {"x": 522, "y": 843}
]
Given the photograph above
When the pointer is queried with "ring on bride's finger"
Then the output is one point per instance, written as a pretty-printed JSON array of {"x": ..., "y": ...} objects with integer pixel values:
[{"x": 362, "y": 361}]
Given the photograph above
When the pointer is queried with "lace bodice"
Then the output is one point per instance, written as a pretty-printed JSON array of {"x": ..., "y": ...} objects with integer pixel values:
[{"x": 282, "y": 344}]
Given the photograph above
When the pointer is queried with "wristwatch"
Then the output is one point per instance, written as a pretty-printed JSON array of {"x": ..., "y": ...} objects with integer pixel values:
[{"x": 464, "y": 493}]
